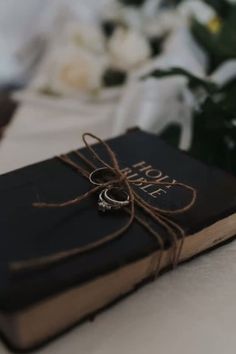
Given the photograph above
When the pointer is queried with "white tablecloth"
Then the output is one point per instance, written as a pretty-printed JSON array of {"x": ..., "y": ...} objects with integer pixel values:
[{"x": 39, "y": 132}]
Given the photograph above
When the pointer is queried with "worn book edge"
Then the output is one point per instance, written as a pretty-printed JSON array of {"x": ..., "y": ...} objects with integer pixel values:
[{"x": 27, "y": 329}]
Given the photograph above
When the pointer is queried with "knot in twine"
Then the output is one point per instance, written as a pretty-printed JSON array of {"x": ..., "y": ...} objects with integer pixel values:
[{"x": 158, "y": 215}]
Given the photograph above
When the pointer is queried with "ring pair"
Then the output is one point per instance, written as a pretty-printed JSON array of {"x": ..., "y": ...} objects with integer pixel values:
[{"x": 110, "y": 198}]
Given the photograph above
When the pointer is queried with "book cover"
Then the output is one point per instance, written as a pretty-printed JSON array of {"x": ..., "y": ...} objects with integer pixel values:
[{"x": 116, "y": 267}]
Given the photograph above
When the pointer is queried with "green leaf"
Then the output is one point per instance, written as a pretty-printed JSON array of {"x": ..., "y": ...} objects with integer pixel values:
[{"x": 193, "y": 81}]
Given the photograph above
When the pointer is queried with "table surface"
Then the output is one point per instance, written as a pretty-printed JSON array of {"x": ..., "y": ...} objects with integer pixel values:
[{"x": 190, "y": 310}]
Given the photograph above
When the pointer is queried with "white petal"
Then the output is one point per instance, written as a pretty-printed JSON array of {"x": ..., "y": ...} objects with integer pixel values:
[
  {"x": 85, "y": 35},
  {"x": 74, "y": 71},
  {"x": 199, "y": 9},
  {"x": 128, "y": 48}
]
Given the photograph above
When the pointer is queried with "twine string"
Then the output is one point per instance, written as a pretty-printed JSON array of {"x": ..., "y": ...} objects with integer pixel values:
[{"x": 159, "y": 216}]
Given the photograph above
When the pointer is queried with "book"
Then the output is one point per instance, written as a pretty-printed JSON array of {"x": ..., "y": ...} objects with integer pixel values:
[{"x": 36, "y": 305}]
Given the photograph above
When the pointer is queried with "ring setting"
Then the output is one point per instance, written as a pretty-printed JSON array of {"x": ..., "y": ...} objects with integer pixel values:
[{"x": 113, "y": 198}]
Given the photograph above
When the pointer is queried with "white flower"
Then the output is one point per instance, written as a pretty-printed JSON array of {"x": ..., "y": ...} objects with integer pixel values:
[
  {"x": 132, "y": 17},
  {"x": 162, "y": 23},
  {"x": 199, "y": 9},
  {"x": 128, "y": 48},
  {"x": 84, "y": 35},
  {"x": 111, "y": 10},
  {"x": 74, "y": 71}
]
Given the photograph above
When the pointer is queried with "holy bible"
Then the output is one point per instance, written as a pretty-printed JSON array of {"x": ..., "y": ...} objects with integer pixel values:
[{"x": 36, "y": 305}]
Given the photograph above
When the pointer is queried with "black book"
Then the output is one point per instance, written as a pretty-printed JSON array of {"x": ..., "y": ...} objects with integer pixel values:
[{"x": 38, "y": 304}]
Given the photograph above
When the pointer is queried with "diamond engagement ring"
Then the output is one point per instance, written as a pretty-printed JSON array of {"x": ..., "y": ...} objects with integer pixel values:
[{"x": 113, "y": 199}]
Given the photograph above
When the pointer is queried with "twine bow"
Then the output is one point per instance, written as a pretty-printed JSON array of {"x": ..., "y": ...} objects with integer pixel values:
[{"x": 158, "y": 215}]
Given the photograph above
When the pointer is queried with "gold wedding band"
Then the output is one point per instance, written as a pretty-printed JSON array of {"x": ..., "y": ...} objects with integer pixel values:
[{"x": 96, "y": 176}]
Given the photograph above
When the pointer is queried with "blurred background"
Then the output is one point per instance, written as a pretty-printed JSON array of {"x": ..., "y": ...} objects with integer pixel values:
[{"x": 167, "y": 66}]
